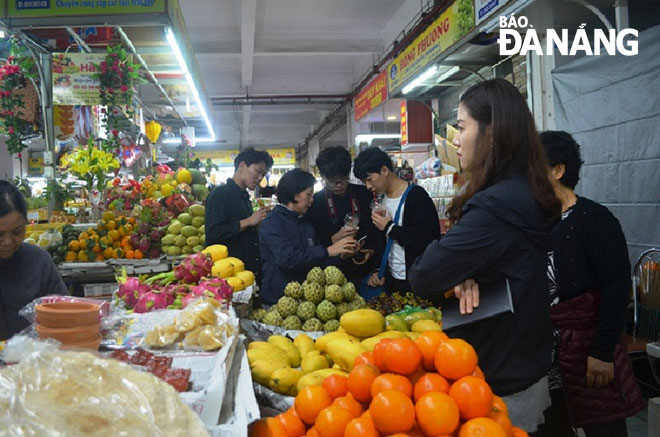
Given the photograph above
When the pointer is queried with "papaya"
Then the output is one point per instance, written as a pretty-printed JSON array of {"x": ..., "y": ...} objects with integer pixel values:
[
  {"x": 189, "y": 231},
  {"x": 363, "y": 323},
  {"x": 217, "y": 252},
  {"x": 197, "y": 210},
  {"x": 288, "y": 347}
]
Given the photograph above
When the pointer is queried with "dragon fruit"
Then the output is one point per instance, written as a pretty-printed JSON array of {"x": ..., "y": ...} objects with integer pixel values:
[
  {"x": 144, "y": 228},
  {"x": 193, "y": 268},
  {"x": 157, "y": 234},
  {"x": 150, "y": 301},
  {"x": 135, "y": 240},
  {"x": 145, "y": 245},
  {"x": 154, "y": 253},
  {"x": 215, "y": 288},
  {"x": 130, "y": 288}
]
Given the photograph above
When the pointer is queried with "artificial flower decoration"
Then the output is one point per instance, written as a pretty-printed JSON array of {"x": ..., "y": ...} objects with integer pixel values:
[{"x": 90, "y": 164}]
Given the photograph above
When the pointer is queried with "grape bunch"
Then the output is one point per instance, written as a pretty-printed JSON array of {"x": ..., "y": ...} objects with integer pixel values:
[{"x": 388, "y": 304}]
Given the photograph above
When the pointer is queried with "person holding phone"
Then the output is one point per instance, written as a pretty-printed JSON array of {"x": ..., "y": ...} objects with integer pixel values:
[
  {"x": 341, "y": 209},
  {"x": 501, "y": 229},
  {"x": 406, "y": 218}
]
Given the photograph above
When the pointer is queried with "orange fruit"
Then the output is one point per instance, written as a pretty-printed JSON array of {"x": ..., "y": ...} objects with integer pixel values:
[
  {"x": 312, "y": 432},
  {"x": 361, "y": 427},
  {"x": 137, "y": 254},
  {"x": 430, "y": 382},
  {"x": 114, "y": 235},
  {"x": 71, "y": 256},
  {"x": 82, "y": 244},
  {"x": 365, "y": 358},
  {"x": 109, "y": 253},
  {"x": 500, "y": 405},
  {"x": 359, "y": 381},
  {"x": 428, "y": 343},
  {"x": 503, "y": 420},
  {"x": 479, "y": 373},
  {"x": 392, "y": 412},
  {"x": 268, "y": 427},
  {"x": 83, "y": 236},
  {"x": 332, "y": 421},
  {"x": 519, "y": 432},
  {"x": 455, "y": 358},
  {"x": 415, "y": 376},
  {"x": 481, "y": 427},
  {"x": 96, "y": 248},
  {"x": 130, "y": 254},
  {"x": 379, "y": 354},
  {"x": 437, "y": 414},
  {"x": 391, "y": 381},
  {"x": 310, "y": 401},
  {"x": 336, "y": 385},
  {"x": 402, "y": 356},
  {"x": 349, "y": 404},
  {"x": 292, "y": 423},
  {"x": 82, "y": 256},
  {"x": 74, "y": 246},
  {"x": 473, "y": 397},
  {"x": 111, "y": 225}
]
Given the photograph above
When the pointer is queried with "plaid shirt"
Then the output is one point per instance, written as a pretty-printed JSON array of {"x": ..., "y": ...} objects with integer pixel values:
[{"x": 226, "y": 206}]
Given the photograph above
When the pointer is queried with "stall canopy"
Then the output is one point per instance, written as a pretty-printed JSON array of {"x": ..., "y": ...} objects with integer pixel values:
[
  {"x": 603, "y": 101},
  {"x": 153, "y": 31}
]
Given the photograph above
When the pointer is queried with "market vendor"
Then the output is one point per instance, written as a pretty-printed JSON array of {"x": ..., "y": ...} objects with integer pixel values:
[
  {"x": 26, "y": 271},
  {"x": 288, "y": 244},
  {"x": 230, "y": 219}
]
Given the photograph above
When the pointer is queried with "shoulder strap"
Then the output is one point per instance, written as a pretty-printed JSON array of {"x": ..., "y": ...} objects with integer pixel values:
[{"x": 388, "y": 247}]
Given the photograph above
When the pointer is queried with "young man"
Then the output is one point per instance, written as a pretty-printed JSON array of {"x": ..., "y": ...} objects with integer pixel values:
[
  {"x": 338, "y": 199},
  {"x": 417, "y": 224},
  {"x": 230, "y": 219}
]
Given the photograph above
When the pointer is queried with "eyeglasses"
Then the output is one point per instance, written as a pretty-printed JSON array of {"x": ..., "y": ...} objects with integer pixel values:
[{"x": 337, "y": 182}]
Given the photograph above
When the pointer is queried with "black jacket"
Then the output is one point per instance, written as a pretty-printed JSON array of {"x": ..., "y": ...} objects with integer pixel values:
[
  {"x": 226, "y": 206},
  {"x": 420, "y": 225},
  {"x": 501, "y": 234}
]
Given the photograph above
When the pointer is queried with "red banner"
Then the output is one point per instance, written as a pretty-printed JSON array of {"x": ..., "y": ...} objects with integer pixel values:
[
  {"x": 404, "y": 123},
  {"x": 371, "y": 95}
]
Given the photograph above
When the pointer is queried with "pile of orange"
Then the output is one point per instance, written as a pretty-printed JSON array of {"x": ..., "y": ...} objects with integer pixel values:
[
  {"x": 110, "y": 239},
  {"x": 428, "y": 387}
]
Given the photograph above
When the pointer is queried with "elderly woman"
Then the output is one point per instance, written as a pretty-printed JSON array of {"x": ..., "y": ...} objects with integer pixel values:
[
  {"x": 26, "y": 271},
  {"x": 287, "y": 240}
]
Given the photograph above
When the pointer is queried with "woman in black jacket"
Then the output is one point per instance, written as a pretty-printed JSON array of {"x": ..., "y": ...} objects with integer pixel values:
[{"x": 501, "y": 230}]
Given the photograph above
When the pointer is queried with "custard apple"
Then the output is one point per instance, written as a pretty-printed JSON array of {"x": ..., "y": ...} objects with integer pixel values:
[
  {"x": 326, "y": 311},
  {"x": 312, "y": 324},
  {"x": 316, "y": 275},
  {"x": 292, "y": 323},
  {"x": 258, "y": 315},
  {"x": 286, "y": 306},
  {"x": 334, "y": 294},
  {"x": 306, "y": 310},
  {"x": 358, "y": 303},
  {"x": 272, "y": 318},
  {"x": 333, "y": 276},
  {"x": 294, "y": 290},
  {"x": 331, "y": 325},
  {"x": 313, "y": 292},
  {"x": 350, "y": 293},
  {"x": 343, "y": 308}
]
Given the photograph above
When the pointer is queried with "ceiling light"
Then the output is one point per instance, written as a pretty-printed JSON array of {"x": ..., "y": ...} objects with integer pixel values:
[
  {"x": 420, "y": 79},
  {"x": 391, "y": 117},
  {"x": 370, "y": 137},
  {"x": 189, "y": 79},
  {"x": 447, "y": 74}
]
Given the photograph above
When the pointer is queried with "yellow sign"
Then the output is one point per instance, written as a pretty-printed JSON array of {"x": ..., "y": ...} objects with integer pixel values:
[
  {"x": 446, "y": 30},
  {"x": 283, "y": 156},
  {"x": 221, "y": 158}
]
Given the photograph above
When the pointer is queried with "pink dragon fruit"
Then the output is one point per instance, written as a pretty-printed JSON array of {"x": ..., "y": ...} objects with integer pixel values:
[
  {"x": 150, "y": 301},
  {"x": 154, "y": 253},
  {"x": 130, "y": 288},
  {"x": 193, "y": 268},
  {"x": 216, "y": 288},
  {"x": 135, "y": 240},
  {"x": 145, "y": 245}
]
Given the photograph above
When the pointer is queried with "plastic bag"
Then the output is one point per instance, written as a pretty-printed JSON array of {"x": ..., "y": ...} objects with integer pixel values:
[
  {"x": 109, "y": 315},
  {"x": 64, "y": 393}
]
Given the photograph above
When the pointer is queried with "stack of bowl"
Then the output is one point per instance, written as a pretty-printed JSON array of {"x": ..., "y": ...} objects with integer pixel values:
[{"x": 75, "y": 324}]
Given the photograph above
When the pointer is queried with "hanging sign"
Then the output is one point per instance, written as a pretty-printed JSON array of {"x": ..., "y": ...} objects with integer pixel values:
[
  {"x": 283, "y": 156},
  {"x": 221, "y": 158},
  {"x": 73, "y": 8},
  {"x": 73, "y": 81},
  {"x": 486, "y": 8},
  {"x": 371, "y": 95},
  {"x": 446, "y": 30}
]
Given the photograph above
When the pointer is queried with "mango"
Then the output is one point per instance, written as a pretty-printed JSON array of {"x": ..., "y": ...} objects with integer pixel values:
[
  {"x": 186, "y": 250},
  {"x": 262, "y": 369},
  {"x": 236, "y": 283},
  {"x": 174, "y": 251},
  {"x": 419, "y": 315},
  {"x": 304, "y": 343},
  {"x": 396, "y": 323},
  {"x": 198, "y": 248},
  {"x": 197, "y": 222},
  {"x": 344, "y": 351},
  {"x": 323, "y": 340},
  {"x": 189, "y": 231},
  {"x": 246, "y": 276},
  {"x": 412, "y": 335},
  {"x": 371, "y": 342},
  {"x": 285, "y": 381},
  {"x": 316, "y": 378},
  {"x": 174, "y": 227},
  {"x": 168, "y": 240},
  {"x": 197, "y": 210},
  {"x": 237, "y": 263},
  {"x": 222, "y": 268},
  {"x": 185, "y": 218},
  {"x": 426, "y": 325},
  {"x": 179, "y": 241},
  {"x": 265, "y": 354},
  {"x": 363, "y": 323},
  {"x": 313, "y": 361},
  {"x": 192, "y": 241},
  {"x": 288, "y": 347}
]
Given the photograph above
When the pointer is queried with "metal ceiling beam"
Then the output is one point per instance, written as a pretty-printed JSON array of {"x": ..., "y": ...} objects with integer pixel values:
[
  {"x": 131, "y": 47},
  {"x": 288, "y": 53},
  {"x": 78, "y": 39},
  {"x": 248, "y": 24}
]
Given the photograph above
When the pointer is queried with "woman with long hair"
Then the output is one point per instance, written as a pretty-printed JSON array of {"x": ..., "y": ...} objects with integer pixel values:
[{"x": 500, "y": 232}]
